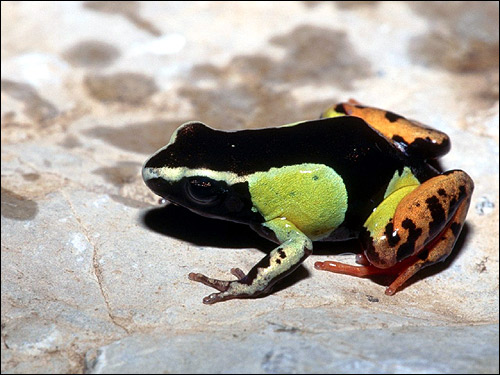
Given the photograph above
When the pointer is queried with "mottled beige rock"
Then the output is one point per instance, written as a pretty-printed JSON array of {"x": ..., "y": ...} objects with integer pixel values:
[{"x": 94, "y": 272}]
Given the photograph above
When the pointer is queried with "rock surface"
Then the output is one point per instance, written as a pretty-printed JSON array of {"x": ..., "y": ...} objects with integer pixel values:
[{"x": 94, "y": 273}]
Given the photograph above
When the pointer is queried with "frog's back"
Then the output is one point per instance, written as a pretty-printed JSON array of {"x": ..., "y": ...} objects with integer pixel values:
[
  {"x": 363, "y": 157},
  {"x": 342, "y": 143}
]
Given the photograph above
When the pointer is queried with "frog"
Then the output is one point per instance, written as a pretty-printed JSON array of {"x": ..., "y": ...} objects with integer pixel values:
[{"x": 357, "y": 172}]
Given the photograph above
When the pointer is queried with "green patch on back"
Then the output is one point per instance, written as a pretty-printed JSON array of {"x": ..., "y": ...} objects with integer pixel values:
[{"x": 311, "y": 196}]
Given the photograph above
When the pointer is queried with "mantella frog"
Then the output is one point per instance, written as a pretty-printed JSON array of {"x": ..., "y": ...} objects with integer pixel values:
[{"x": 357, "y": 172}]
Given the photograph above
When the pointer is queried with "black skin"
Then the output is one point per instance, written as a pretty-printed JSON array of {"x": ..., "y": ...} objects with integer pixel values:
[{"x": 364, "y": 159}]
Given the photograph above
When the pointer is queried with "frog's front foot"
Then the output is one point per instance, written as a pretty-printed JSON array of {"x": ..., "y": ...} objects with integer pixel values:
[
  {"x": 282, "y": 260},
  {"x": 226, "y": 288}
]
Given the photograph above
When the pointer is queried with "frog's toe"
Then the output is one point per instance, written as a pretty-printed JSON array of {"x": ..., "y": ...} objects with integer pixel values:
[
  {"x": 220, "y": 285},
  {"x": 238, "y": 273},
  {"x": 217, "y": 297},
  {"x": 212, "y": 298},
  {"x": 390, "y": 291}
]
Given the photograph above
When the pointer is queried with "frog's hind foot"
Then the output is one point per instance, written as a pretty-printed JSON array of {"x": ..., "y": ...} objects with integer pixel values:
[
  {"x": 421, "y": 232},
  {"x": 347, "y": 269}
]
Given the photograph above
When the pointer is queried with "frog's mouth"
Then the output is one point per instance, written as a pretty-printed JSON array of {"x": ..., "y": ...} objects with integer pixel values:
[
  {"x": 152, "y": 179},
  {"x": 158, "y": 185}
]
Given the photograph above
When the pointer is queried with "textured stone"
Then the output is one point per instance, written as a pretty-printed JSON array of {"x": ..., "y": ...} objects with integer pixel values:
[
  {"x": 94, "y": 273},
  {"x": 287, "y": 351}
]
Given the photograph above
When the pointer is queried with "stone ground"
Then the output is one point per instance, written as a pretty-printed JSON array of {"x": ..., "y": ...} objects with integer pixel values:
[{"x": 94, "y": 271}]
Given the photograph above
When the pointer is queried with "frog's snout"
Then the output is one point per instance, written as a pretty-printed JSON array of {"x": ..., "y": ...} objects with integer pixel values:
[
  {"x": 158, "y": 185},
  {"x": 148, "y": 174}
]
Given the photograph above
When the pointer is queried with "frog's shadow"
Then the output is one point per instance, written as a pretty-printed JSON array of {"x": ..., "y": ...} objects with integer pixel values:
[{"x": 180, "y": 223}]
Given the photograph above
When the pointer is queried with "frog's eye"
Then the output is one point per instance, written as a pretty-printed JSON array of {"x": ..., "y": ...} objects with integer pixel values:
[{"x": 203, "y": 190}]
